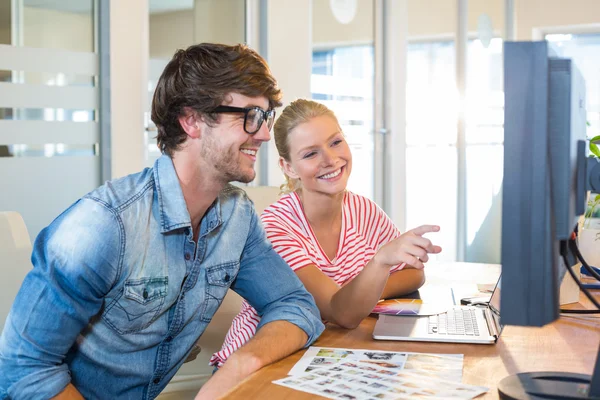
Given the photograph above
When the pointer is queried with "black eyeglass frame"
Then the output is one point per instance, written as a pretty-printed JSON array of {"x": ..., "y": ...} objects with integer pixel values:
[{"x": 264, "y": 115}]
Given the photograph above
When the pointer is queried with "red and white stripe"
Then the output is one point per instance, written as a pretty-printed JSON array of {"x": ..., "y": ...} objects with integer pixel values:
[{"x": 365, "y": 228}]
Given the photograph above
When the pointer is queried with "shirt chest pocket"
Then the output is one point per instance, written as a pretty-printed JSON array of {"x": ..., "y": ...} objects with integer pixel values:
[
  {"x": 138, "y": 305},
  {"x": 218, "y": 280}
]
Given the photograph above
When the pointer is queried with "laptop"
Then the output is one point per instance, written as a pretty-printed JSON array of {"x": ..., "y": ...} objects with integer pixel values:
[{"x": 460, "y": 324}]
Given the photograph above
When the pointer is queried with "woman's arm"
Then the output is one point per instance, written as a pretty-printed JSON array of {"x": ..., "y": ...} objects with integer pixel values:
[
  {"x": 403, "y": 282},
  {"x": 348, "y": 305}
]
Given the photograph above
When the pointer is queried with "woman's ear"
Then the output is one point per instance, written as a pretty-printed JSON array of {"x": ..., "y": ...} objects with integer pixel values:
[
  {"x": 287, "y": 168},
  {"x": 190, "y": 123}
]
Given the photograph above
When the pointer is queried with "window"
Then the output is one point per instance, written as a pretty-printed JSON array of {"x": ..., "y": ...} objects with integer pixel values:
[
  {"x": 431, "y": 151},
  {"x": 584, "y": 49},
  {"x": 342, "y": 79}
]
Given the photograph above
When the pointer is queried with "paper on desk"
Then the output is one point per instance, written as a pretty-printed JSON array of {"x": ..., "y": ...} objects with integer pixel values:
[
  {"x": 445, "y": 366},
  {"x": 360, "y": 380}
]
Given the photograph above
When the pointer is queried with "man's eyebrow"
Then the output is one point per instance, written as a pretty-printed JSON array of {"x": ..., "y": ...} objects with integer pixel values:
[
  {"x": 251, "y": 105},
  {"x": 315, "y": 146}
]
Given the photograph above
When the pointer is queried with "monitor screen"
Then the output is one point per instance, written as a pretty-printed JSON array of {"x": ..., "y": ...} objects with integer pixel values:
[{"x": 544, "y": 122}]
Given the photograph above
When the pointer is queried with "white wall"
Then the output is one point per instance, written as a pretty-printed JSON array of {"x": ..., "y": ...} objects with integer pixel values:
[
  {"x": 219, "y": 21},
  {"x": 5, "y": 8},
  {"x": 4, "y": 36},
  {"x": 531, "y": 14},
  {"x": 327, "y": 30},
  {"x": 289, "y": 55},
  {"x": 57, "y": 30},
  {"x": 129, "y": 84},
  {"x": 169, "y": 32}
]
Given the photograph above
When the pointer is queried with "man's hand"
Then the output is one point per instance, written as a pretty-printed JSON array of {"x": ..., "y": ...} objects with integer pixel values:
[
  {"x": 235, "y": 370},
  {"x": 271, "y": 343}
]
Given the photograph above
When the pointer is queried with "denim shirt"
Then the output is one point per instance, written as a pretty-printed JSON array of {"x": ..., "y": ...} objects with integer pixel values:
[{"x": 120, "y": 292}]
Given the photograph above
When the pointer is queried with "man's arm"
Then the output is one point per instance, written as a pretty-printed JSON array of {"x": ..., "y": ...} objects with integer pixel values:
[
  {"x": 75, "y": 264},
  {"x": 289, "y": 321},
  {"x": 259, "y": 351}
]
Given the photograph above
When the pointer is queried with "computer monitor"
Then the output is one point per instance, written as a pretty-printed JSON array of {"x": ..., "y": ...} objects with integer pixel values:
[{"x": 544, "y": 191}]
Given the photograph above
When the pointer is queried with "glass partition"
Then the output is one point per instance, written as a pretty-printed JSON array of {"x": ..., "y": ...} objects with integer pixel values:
[{"x": 49, "y": 135}]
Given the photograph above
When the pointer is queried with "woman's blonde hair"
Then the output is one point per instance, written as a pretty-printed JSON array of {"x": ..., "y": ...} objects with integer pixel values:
[{"x": 297, "y": 112}]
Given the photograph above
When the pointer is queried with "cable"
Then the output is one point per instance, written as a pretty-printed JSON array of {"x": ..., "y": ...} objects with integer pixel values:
[
  {"x": 565, "y": 311},
  {"x": 575, "y": 250},
  {"x": 563, "y": 253},
  {"x": 577, "y": 253}
]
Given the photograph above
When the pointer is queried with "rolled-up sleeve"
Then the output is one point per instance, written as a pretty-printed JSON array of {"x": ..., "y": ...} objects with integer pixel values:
[
  {"x": 272, "y": 288},
  {"x": 76, "y": 261}
]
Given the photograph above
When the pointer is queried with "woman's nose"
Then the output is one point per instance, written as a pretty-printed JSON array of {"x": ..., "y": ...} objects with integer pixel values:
[{"x": 328, "y": 158}]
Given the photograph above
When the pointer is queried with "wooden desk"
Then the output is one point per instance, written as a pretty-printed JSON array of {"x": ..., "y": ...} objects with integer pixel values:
[{"x": 569, "y": 344}]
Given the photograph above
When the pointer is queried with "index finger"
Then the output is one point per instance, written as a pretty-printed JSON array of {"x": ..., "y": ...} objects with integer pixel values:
[{"x": 423, "y": 229}]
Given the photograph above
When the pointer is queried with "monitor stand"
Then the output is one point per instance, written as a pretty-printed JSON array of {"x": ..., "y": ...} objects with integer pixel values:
[{"x": 551, "y": 385}]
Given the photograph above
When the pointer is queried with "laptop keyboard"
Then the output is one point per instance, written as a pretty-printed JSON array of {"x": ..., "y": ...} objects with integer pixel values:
[{"x": 454, "y": 322}]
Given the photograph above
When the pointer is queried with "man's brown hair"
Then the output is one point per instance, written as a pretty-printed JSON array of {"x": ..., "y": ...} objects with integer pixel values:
[{"x": 199, "y": 78}]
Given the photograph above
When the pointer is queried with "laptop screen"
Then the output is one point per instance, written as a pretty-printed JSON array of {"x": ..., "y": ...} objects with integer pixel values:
[{"x": 494, "y": 304}]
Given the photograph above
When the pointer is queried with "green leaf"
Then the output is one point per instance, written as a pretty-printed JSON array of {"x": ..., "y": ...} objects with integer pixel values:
[
  {"x": 588, "y": 123},
  {"x": 594, "y": 149},
  {"x": 597, "y": 198}
]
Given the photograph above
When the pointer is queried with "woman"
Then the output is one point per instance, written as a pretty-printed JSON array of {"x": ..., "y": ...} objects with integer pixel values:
[{"x": 342, "y": 246}]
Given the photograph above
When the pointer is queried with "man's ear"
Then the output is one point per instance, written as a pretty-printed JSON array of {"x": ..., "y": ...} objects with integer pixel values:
[
  {"x": 287, "y": 168},
  {"x": 190, "y": 123}
]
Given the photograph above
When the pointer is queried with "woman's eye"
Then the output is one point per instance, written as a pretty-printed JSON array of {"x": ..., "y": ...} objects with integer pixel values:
[
  {"x": 309, "y": 155},
  {"x": 336, "y": 142}
]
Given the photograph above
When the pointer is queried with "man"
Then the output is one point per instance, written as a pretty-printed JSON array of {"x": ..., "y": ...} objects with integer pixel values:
[{"x": 127, "y": 279}]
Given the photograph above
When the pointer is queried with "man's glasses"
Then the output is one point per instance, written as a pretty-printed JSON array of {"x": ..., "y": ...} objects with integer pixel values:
[{"x": 253, "y": 117}]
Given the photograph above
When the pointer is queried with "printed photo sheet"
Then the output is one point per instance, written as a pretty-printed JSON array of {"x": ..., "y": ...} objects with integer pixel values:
[
  {"x": 359, "y": 379},
  {"x": 444, "y": 366}
]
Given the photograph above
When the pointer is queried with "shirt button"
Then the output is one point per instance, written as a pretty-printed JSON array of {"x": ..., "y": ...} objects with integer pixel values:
[
  {"x": 145, "y": 294},
  {"x": 156, "y": 381},
  {"x": 226, "y": 277},
  {"x": 169, "y": 338},
  {"x": 187, "y": 256}
]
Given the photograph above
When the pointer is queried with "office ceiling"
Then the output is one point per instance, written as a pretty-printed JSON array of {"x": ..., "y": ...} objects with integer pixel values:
[{"x": 84, "y": 7}]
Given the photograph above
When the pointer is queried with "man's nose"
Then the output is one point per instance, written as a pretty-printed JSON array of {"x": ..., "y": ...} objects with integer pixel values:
[{"x": 263, "y": 134}]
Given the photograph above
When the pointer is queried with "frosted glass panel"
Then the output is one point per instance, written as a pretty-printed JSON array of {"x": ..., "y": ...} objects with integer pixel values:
[
  {"x": 65, "y": 132},
  {"x": 22, "y": 95},
  {"x": 40, "y": 188},
  {"x": 431, "y": 194},
  {"x": 48, "y": 109},
  {"x": 66, "y": 62}
]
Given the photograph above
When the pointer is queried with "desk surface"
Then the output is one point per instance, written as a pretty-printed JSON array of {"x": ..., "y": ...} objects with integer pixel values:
[{"x": 569, "y": 344}]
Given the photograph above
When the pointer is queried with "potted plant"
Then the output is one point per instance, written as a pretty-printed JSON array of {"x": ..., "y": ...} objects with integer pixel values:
[{"x": 589, "y": 230}]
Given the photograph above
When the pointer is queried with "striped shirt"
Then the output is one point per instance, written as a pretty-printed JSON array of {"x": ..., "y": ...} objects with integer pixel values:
[{"x": 365, "y": 228}]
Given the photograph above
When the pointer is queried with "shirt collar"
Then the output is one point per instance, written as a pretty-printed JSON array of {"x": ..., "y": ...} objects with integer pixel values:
[{"x": 172, "y": 207}]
